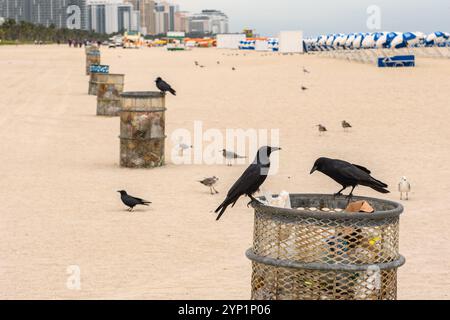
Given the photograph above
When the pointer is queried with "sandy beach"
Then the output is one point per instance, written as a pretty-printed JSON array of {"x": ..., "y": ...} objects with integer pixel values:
[{"x": 60, "y": 168}]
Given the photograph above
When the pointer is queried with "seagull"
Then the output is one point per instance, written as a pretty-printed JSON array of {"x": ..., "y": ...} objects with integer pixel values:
[
  {"x": 322, "y": 129},
  {"x": 404, "y": 187},
  {"x": 346, "y": 125},
  {"x": 230, "y": 155},
  {"x": 210, "y": 182},
  {"x": 183, "y": 147}
]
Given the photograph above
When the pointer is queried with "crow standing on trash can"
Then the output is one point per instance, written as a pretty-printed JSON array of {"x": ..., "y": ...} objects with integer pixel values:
[
  {"x": 164, "y": 86},
  {"x": 250, "y": 181},
  {"x": 348, "y": 175}
]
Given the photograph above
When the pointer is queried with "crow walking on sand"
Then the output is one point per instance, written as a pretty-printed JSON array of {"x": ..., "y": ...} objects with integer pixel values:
[
  {"x": 164, "y": 86},
  {"x": 250, "y": 181},
  {"x": 345, "y": 125},
  {"x": 348, "y": 175},
  {"x": 130, "y": 201},
  {"x": 210, "y": 182},
  {"x": 230, "y": 156}
]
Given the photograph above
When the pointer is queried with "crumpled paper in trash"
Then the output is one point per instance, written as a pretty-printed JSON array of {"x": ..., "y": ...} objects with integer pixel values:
[
  {"x": 283, "y": 200},
  {"x": 359, "y": 206}
]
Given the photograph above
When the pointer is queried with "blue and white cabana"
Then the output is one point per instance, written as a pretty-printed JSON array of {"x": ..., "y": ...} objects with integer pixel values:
[
  {"x": 274, "y": 44},
  {"x": 436, "y": 38},
  {"x": 247, "y": 45}
]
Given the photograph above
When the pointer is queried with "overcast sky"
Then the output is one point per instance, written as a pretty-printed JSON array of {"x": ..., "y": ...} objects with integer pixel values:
[{"x": 327, "y": 16}]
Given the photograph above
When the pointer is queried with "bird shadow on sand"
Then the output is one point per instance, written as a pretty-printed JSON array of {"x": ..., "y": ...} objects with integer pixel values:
[{"x": 134, "y": 211}]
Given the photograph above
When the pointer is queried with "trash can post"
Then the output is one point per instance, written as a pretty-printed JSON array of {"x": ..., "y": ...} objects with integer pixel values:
[
  {"x": 142, "y": 129},
  {"x": 109, "y": 88}
]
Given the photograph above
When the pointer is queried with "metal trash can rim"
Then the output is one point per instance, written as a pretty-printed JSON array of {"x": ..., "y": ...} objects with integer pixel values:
[
  {"x": 109, "y": 74},
  {"x": 294, "y": 213}
]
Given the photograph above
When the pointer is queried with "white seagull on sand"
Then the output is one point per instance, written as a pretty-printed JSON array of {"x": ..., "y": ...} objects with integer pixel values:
[{"x": 404, "y": 187}]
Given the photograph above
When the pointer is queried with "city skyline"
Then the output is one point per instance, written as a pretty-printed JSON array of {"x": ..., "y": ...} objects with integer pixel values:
[
  {"x": 328, "y": 16},
  {"x": 111, "y": 16}
]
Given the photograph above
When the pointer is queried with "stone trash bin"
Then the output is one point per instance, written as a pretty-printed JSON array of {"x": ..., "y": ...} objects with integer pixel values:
[
  {"x": 94, "y": 78},
  {"x": 92, "y": 58},
  {"x": 142, "y": 129},
  {"x": 109, "y": 88},
  {"x": 316, "y": 251}
]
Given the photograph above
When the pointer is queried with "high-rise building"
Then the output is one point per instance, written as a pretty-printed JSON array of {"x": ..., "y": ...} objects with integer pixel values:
[
  {"x": 146, "y": 10},
  {"x": 208, "y": 21},
  {"x": 181, "y": 23},
  {"x": 60, "y": 13},
  {"x": 165, "y": 17},
  {"x": 219, "y": 21},
  {"x": 110, "y": 16}
]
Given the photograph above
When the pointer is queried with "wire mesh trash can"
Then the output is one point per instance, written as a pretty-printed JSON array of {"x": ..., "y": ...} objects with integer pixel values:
[
  {"x": 142, "y": 129},
  {"x": 109, "y": 88},
  {"x": 316, "y": 251},
  {"x": 92, "y": 57}
]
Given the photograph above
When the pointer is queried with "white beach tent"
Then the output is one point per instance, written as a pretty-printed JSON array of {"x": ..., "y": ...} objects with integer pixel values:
[
  {"x": 230, "y": 41},
  {"x": 262, "y": 45},
  {"x": 291, "y": 41}
]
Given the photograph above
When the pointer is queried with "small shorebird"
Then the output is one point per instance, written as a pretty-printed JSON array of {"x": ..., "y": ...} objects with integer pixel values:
[
  {"x": 304, "y": 88},
  {"x": 234, "y": 69},
  {"x": 345, "y": 125},
  {"x": 322, "y": 129},
  {"x": 210, "y": 182},
  {"x": 130, "y": 201},
  {"x": 404, "y": 187},
  {"x": 183, "y": 147},
  {"x": 230, "y": 155},
  {"x": 305, "y": 70}
]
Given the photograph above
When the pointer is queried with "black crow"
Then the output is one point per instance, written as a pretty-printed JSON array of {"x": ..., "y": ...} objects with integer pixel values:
[
  {"x": 348, "y": 175},
  {"x": 250, "y": 181},
  {"x": 210, "y": 182},
  {"x": 130, "y": 201},
  {"x": 164, "y": 86}
]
